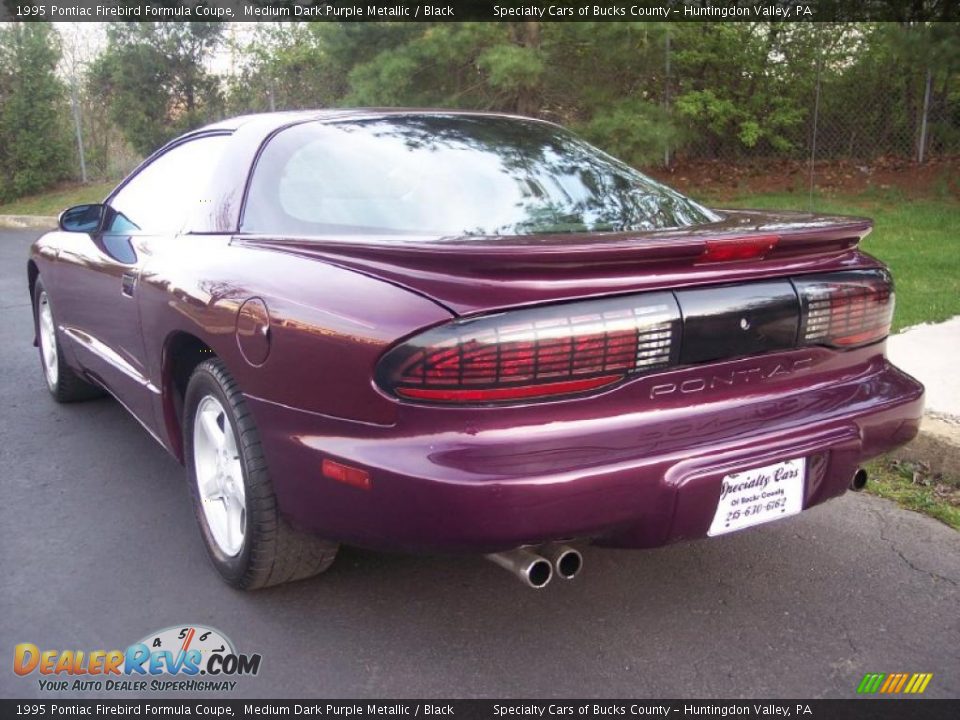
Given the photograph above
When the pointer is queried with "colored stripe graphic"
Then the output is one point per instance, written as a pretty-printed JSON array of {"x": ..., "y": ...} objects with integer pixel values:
[
  {"x": 894, "y": 683},
  {"x": 901, "y": 680},
  {"x": 927, "y": 677},
  {"x": 890, "y": 682},
  {"x": 870, "y": 683}
]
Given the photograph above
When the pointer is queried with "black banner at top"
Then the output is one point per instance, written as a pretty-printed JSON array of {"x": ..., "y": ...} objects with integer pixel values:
[{"x": 482, "y": 10}]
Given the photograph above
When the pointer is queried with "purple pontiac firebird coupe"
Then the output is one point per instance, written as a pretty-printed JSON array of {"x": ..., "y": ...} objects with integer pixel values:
[{"x": 462, "y": 332}]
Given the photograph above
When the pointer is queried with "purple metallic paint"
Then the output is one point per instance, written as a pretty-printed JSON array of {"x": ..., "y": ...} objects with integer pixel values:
[
  {"x": 475, "y": 276},
  {"x": 636, "y": 465},
  {"x": 615, "y": 467}
]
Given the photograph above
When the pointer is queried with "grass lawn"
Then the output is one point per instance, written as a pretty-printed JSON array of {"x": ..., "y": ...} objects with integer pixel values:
[
  {"x": 56, "y": 201},
  {"x": 913, "y": 488},
  {"x": 918, "y": 238}
]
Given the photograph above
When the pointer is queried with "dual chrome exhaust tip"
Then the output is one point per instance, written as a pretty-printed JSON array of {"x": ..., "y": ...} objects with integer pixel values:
[{"x": 536, "y": 567}]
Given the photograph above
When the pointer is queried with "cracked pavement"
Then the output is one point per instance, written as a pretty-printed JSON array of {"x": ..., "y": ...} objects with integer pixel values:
[{"x": 100, "y": 548}]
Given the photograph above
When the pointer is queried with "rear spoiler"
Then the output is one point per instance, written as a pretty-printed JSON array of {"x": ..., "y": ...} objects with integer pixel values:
[{"x": 509, "y": 257}]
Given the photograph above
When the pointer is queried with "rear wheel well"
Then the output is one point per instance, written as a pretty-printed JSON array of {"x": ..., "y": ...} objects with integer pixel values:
[{"x": 182, "y": 353}]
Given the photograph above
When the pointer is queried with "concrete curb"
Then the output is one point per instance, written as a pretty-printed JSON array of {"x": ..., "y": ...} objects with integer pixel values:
[
  {"x": 28, "y": 222},
  {"x": 928, "y": 352},
  {"x": 937, "y": 445}
]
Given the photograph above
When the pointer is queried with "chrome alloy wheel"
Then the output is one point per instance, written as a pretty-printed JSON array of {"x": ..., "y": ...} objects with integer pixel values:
[
  {"x": 216, "y": 460},
  {"x": 48, "y": 341}
]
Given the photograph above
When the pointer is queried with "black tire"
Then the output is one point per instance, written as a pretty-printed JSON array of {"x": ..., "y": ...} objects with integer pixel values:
[
  {"x": 69, "y": 386},
  {"x": 272, "y": 552}
]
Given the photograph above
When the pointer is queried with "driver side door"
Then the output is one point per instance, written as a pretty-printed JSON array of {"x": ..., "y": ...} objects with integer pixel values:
[{"x": 99, "y": 276}]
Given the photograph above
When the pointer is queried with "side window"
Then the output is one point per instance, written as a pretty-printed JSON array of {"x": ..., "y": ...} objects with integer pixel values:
[{"x": 160, "y": 198}]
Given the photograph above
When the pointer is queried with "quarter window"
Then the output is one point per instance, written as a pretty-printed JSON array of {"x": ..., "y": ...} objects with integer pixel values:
[{"x": 160, "y": 198}]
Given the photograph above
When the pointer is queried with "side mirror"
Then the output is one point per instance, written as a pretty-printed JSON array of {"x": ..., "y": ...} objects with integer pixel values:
[{"x": 82, "y": 218}]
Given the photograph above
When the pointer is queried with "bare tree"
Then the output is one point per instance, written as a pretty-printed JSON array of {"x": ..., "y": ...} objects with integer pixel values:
[{"x": 79, "y": 44}]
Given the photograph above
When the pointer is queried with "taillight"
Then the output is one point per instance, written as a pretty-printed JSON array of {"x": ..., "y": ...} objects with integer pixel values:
[
  {"x": 536, "y": 353},
  {"x": 846, "y": 309},
  {"x": 584, "y": 346}
]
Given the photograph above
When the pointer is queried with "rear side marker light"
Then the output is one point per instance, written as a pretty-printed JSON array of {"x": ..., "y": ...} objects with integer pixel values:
[
  {"x": 845, "y": 310},
  {"x": 536, "y": 353},
  {"x": 731, "y": 249},
  {"x": 346, "y": 474}
]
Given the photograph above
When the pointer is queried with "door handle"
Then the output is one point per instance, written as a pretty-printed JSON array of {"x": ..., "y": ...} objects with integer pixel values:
[{"x": 128, "y": 281}]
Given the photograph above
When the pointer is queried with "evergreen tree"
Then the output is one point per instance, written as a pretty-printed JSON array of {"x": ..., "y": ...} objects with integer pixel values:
[
  {"x": 35, "y": 150},
  {"x": 153, "y": 78}
]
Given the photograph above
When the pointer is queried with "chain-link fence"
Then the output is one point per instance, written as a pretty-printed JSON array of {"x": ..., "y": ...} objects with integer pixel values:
[
  {"x": 859, "y": 126},
  {"x": 875, "y": 120},
  {"x": 886, "y": 92}
]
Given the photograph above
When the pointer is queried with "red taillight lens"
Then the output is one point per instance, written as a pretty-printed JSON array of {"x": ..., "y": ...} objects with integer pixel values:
[
  {"x": 537, "y": 352},
  {"x": 517, "y": 392},
  {"x": 846, "y": 309}
]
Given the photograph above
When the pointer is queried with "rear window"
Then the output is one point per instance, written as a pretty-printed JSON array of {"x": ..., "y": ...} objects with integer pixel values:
[{"x": 451, "y": 175}]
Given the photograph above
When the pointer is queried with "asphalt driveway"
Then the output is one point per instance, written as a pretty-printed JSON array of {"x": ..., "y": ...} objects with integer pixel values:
[{"x": 99, "y": 548}]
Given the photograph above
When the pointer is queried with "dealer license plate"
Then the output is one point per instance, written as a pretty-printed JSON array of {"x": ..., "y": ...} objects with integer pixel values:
[{"x": 753, "y": 497}]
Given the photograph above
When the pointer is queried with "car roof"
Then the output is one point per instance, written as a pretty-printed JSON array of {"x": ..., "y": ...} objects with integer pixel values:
[{"x": 282, "y": 118}]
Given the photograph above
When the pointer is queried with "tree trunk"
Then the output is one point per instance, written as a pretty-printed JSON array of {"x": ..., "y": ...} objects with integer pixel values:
[{"x": 528, "y": 96}]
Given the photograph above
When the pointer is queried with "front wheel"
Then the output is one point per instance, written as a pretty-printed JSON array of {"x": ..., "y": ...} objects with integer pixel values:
[
  {"x": 64, "y": 384},
  {"x": 247, "y": 540}
]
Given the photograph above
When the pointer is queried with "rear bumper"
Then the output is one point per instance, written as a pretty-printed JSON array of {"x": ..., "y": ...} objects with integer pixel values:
[{"x": 639, "y": 467}]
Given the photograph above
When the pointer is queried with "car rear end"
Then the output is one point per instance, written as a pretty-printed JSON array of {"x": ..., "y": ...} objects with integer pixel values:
[
  {"x": 689, "y": 406},
  {"x": 632, "y": 370}
]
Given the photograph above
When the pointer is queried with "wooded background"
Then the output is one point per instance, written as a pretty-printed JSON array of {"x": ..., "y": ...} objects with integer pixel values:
[{"x": 650, "y": 93}]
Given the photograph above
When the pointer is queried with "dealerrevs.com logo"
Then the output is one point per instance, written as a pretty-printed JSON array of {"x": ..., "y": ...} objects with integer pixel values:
[{"x": 186, "y": 658}]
